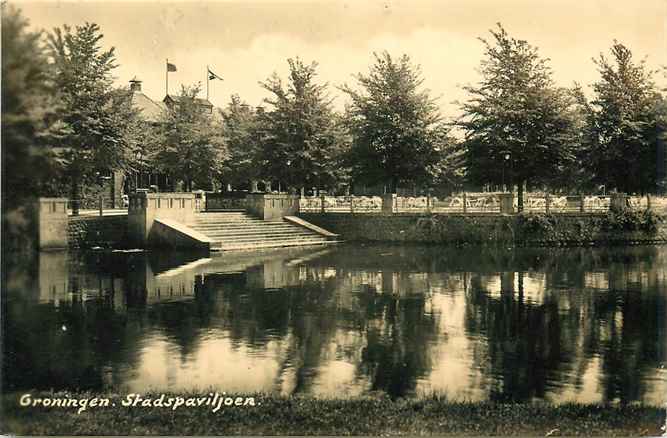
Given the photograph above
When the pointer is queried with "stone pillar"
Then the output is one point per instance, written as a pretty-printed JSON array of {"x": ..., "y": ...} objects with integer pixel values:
[
  {"x": 388, "y": 202},
  {"x": 117, "y": 182},
  {"x": 51, "y": 220},
  {"x": 272, "y": 207},
  {"x": 618, "y": 201},
  {"x": 506, "y": 203},
  {"x": 144, "y": 208}
]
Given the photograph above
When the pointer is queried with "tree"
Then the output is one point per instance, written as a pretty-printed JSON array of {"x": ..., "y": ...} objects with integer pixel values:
[
  {"x": 303, "y": 141},
  {"x": 625, "y": 121},
  {"x": 395, "y": 126},
  {"x": 192, "y": 145},
  {"x": 517, "y": 114},
  {"x": 242, "y": 136},
  {"x": 98, "y": 118},
  {"x": 29, "y": 126}
]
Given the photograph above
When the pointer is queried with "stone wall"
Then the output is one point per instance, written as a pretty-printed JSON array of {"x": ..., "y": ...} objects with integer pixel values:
[
  {"x": 51, "y": 220},
  {"x": 476, "y": 229},
  {"x": 85, "y": 232}
]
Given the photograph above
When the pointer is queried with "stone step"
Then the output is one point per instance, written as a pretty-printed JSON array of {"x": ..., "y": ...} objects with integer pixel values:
[
  {"x": 230, "y": 223},
  {"x": 226, "y": 219},
  {"x": 259, "y": 233},
  {"x": 219, "y": 246},
  {"x": 249, "y": 240},
  {"x": 240, "y": 231},
  {"x": 230, "y": 227},
  {"x": 236, "y": 221}
]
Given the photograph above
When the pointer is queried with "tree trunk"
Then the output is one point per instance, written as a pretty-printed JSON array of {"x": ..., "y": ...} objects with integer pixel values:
[{"x": 520, "y": 196}]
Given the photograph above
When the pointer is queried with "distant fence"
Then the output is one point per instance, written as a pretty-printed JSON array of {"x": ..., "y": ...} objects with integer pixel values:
[
  {"x": 224, "y": 201},
  {"x": 475, "y": 203}
]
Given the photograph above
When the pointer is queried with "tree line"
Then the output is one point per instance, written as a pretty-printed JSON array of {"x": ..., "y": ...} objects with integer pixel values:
[{"x": 64, "y": 123}]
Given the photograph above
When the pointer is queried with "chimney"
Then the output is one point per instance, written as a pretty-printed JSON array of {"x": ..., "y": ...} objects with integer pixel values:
[{"x": 135, "y": 85}]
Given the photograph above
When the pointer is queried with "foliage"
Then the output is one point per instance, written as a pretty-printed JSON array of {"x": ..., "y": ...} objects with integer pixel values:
[
  {"x": 397, "y": 135},
  {"x": 625, "y": 120},
  {"x": 98, "y": 119},
  {"x": 517, "y": 115},
  {"x": 29, "y": 126},
  {"x": 464, "y": 230},
  {"x": 629, "y": 220},
  {"x": 303, "y": 140},
  {"x": 190, "y": 143},
  {"x": 242, "y": 136},
  {"x": 539, "y": 229}
]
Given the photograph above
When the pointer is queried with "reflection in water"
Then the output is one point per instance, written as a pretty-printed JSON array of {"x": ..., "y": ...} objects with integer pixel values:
[{"x": 583, "y": 325}]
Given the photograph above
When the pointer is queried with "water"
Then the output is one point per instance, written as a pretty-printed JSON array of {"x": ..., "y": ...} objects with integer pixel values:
[{"x": 574, "y": 325}]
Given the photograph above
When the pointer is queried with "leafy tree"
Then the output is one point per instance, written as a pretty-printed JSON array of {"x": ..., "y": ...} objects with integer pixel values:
[
  {"x": 29, "y": 125},
  {"x": 192, "y": 148},
  {"x": 395, "y": 126},
  {"x": 625, "y": 121},
  {"x": 302, "y": 141},
  {"x": 98, "y": 118},
  {"x": 517, "y": 112},
  {"x": 242, "y": 133}
]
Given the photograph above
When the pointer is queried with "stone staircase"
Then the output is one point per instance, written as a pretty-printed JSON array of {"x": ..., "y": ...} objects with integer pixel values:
[{"x": 235, "y": 230}]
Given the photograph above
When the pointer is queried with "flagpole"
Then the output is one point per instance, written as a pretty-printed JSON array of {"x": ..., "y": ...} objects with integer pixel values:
[
  {"x": 207, "y": 82},
  {"x": 166, "y": 77}
]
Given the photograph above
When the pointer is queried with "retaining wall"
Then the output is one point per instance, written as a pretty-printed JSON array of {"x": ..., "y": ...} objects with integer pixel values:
[
  {"x": 530, "y": 230},
  {"x": 86, "y": 232}
]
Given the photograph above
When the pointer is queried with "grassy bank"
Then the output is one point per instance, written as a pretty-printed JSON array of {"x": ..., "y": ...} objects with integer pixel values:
[{"x": 274, "y": 415}]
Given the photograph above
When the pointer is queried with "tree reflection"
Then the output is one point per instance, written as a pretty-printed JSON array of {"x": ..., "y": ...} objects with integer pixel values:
[
  {"x": 531, "y": 347},
  {"x": 537, "y": 322}
]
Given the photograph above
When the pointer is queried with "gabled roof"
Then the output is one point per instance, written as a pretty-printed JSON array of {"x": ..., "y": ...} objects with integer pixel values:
[
  {"x": 198, "y": 100},
  {"x": 151, "y": 111}
]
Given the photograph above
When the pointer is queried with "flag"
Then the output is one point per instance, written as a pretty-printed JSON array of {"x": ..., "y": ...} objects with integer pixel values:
[
  {"x": 212, "y": 75},
  {"x": 171, "y": 67}
]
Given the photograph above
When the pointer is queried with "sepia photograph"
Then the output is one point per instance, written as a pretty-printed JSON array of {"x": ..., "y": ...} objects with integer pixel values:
[{"x": 333, "y": 217}]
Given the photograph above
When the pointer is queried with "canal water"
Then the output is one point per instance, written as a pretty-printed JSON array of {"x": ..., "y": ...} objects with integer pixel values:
[{"x": 560, "y": 325}]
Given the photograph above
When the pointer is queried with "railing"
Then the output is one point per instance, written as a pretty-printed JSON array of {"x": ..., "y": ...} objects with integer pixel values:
[
  {"x": 467, "y": 203},
  {"x": 341, "y": 204},
  {"x": 540, "y": 203},
  {"x": 473, "y": 203},
  {"x": 101, "y": 206}
]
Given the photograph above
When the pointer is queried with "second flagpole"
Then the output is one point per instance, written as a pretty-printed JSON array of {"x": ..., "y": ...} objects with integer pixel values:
[{"x": 207, "y": 78}]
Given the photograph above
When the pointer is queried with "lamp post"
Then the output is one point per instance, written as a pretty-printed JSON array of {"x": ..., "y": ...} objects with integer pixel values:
[
  {"x": 139, "y": 156},
  {"x": 101, "y": 179},
  {"x": 506, "y": 156},
  {"x": 289, "y": 174}
]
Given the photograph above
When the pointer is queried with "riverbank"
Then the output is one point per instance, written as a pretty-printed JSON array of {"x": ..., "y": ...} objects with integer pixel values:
[{"x": 275, "y": 415}]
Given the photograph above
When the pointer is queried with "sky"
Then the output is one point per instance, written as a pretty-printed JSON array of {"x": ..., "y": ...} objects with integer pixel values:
[{"x": 246, "y": 41}]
